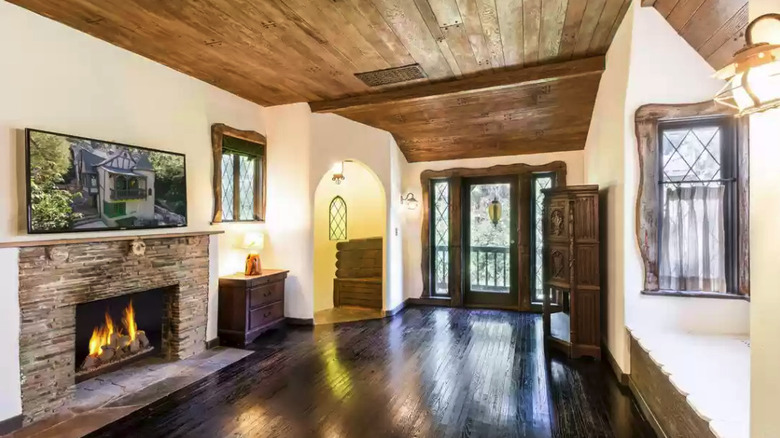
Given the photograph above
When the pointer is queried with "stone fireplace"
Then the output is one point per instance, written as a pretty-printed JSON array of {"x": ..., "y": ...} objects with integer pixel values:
[{"x": 58, "y": 282}]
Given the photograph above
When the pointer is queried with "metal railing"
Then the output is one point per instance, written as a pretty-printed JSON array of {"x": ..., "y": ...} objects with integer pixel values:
[
  {"x": 122, "y": 194},
  {"x": 490, "y": 269}
]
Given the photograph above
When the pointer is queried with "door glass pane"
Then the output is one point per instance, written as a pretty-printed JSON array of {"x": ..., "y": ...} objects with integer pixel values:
[
  {"x": 489, "y": 238},
  {"x": 540, "y": 182},
  {"x": 441, "y": 237}
]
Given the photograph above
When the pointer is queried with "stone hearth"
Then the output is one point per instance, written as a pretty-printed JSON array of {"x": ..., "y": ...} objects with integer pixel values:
[{"x": 52, "y": 280}]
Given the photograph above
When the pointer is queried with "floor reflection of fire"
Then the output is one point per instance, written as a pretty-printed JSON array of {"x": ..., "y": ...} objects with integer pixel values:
[{"x": 110, "y": 344}]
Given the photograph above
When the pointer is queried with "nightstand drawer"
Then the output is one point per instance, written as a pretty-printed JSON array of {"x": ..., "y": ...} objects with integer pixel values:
[
  {"x": 266, "y": 315},
  {"x": 266, "y": 294}
]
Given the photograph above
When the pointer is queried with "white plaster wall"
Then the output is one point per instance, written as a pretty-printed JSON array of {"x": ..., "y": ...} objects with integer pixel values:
[
  {"x": 764, "y": 252},
  {"x": 333, "y": 139},
  {"x": 412, "y": 220},
  {"x": 666, "y": 69},
  {"x": 648, "y": 62},
  {"x": 55, "y": 78},
  {"x": 366, "y": 217}
]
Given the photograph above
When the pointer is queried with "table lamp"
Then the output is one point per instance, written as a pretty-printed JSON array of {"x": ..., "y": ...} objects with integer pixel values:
[{"x": 254, "y": 243}]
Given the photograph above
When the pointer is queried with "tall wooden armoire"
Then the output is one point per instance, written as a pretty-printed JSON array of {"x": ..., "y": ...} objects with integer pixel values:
[{"x": 572, "y": 291}]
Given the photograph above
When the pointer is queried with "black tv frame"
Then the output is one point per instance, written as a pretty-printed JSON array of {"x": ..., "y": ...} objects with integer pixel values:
[{"x": 28, "y": 177}]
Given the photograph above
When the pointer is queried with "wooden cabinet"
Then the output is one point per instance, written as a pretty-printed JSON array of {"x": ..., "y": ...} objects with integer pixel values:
[
  {"x": 250, "y": 305},
  {"x": 572, "y": 290}
]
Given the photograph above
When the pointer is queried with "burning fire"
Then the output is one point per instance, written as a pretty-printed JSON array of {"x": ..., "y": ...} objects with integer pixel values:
[
  {"x": 102, "y": 335},
  {"x": 128, "y": 319}
]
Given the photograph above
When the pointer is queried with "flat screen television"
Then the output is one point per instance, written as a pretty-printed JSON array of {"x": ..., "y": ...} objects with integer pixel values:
[{"x": 82, "y": 184}]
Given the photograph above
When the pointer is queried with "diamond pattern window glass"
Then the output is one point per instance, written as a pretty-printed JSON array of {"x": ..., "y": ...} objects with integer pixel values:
[
  {"x": 241, "y": 191},
  {"x": 246, "y": 179},
  {"x": 227, "y": 187},
  {"x": 691, "y": 154},
  {"x": 441, "y": 237},
  {"x": 337, "y": 219},
  {"x": 697, "y": 233},
  {"x": 540, "y": 181}
]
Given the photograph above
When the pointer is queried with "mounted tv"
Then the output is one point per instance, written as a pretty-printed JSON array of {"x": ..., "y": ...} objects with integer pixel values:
[{"x": 81, "y": 184}]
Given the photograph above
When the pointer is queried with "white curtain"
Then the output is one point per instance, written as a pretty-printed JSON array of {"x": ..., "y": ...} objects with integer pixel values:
[{"x": 692, "y": 240}]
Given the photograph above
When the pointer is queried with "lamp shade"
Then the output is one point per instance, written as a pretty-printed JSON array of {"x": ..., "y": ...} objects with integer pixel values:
[
  {"x": 253, "y": 241},
  {"x": 753, "y": 78}
]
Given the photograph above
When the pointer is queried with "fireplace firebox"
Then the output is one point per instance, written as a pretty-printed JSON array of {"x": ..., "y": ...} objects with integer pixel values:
[{"x": 113, "y": 332}]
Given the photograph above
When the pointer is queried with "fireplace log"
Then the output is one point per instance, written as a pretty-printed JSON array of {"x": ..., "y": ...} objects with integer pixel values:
[
  {"x": 124, "y": 341},
  {"x": 113, "y": 341},
  {"x": 89, "y": 363},
  {"x": 134, "y": 346},
  {"x": 141, "y": 336},
  {"x": 107, "y": 354}
]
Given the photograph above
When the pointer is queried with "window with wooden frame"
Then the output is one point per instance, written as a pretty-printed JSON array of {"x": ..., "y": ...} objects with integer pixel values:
[
  {"x": 692, "y": 204},
  {"x": 239, "y": 175}
]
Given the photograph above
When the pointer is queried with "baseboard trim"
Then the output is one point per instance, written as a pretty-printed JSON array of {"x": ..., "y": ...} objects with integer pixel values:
[
  {"x": 397, "y": 309},
  {"x": 621, "y": 377},
  {"x": 301, "y": 322},
  {"x": 213, "y": 343},
  {"x": 11, "y": 424},
  {"x": 659, "y": 431},
  {"x": 438, "y": 302}
]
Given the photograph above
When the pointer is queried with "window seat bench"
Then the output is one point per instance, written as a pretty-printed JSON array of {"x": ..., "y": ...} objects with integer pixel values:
[{"x": 694, "y": 384}]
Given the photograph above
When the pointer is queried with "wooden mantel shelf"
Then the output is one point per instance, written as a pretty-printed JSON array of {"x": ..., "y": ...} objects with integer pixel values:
[{"x": 52, "y": 242}]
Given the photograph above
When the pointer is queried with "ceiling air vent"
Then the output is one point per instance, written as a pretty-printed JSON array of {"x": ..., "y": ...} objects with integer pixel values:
[{"x": 393, "y": 75}]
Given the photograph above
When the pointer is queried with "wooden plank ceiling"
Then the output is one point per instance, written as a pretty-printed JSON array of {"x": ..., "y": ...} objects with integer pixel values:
[
  {"x": 715, "y": 28},
  {"x": 282, "y": 51}
]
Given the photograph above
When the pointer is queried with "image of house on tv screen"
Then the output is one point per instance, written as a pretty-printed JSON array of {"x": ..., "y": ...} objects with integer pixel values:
[{"x": 78, "y": 184}]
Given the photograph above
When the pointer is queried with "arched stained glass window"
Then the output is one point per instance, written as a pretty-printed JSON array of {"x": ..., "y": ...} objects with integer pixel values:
[{"x": 337, "y": 219}]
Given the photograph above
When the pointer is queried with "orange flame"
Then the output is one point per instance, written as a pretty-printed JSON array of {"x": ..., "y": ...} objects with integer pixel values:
[
  {"x": 128, "y": 319},
  {"x": 101, "y": 336}
]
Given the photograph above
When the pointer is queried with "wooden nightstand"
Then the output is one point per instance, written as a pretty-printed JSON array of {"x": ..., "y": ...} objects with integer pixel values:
[{"x": 250, "y": 305}]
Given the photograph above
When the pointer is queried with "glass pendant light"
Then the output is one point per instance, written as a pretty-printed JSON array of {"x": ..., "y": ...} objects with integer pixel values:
[
  {"x": 753, "y": 78},
  {"x": 494, "y": 211}
]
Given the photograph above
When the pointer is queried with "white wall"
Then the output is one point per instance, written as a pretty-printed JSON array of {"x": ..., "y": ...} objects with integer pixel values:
[
  {"x": 648, "y": 62},
  {"x": 412, "y": 220},
  {"x": 366, "y": 217},
  {"x": 58, "y": 79},
  {"x": 764, "y": 252}
]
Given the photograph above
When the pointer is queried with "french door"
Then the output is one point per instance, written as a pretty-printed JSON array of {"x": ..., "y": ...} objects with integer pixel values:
[
  {"x": 489, "y": 241},
  {"x": 481, "y": 235}
]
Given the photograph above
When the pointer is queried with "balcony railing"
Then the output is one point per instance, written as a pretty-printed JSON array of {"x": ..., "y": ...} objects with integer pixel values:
[
  {"x": 125, "y": 194},
  {"x": 490, "y": 269}
]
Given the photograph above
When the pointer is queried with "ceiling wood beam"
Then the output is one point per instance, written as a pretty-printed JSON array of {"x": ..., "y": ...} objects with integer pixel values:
[{"x": 504, "y": 79}]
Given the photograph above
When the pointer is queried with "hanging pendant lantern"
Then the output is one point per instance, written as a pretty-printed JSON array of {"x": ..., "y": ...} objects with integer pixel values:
[
  {"x": 753, "y": 78},
  {"x": 494, "y": 211}
]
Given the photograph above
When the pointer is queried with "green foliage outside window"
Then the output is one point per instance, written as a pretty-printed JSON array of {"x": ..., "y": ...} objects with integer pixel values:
[{"x": 50, "y": 161}]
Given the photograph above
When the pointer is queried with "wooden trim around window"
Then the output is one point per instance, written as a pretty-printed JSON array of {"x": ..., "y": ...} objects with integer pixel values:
[
  {"x": 647, "y": 119},
  {"x": 218, "y": 131},
  {"x": 455, "y": 177}
]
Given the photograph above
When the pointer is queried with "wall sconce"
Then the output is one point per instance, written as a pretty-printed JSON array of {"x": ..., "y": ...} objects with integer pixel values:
[
  {"x": 338, "y": 173},
  {"x": 754, "y": 75},
  {"x": 409, "y": 201}
]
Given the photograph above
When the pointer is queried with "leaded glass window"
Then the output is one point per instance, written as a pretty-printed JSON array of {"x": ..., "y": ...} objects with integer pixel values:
[
  {"x": 698, "y": 204},
  {"x": 540, "y": 181},
  {"x": 240, "y": 186},
  {"x": 337, "y": 219},
  {"x": 227, "y": 187},
  {"x": 441, "y": 237},
  {"x": 246, "y": 179}
]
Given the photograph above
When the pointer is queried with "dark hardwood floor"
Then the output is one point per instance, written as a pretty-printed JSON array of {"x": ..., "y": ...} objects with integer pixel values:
[{"x": 427, "y": 372}]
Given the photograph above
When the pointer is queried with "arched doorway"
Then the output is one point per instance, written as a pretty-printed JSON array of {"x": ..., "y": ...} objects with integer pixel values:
[{"x": 352, "y": 209}]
